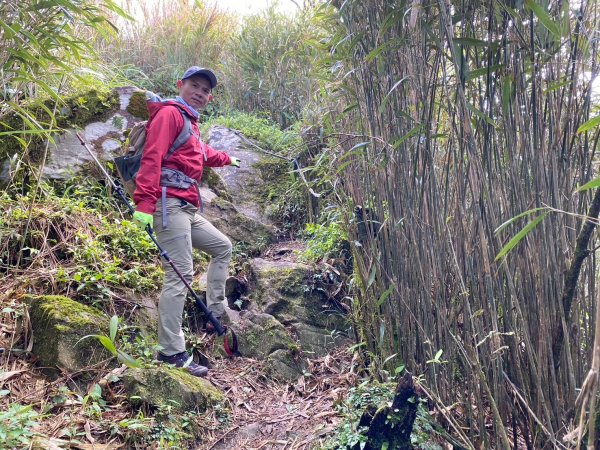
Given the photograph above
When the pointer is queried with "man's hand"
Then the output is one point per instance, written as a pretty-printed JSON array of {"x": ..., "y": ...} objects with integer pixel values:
[
  {"x": 143, "y": 220},
  {"x": 234, "y": 161}
]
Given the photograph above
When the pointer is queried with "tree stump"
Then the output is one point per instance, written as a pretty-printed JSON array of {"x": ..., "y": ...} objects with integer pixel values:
[{"x": 390, "y": 427}]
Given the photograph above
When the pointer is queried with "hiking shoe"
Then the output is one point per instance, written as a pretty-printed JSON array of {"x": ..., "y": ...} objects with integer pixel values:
[{"x": 181, "y": 360}]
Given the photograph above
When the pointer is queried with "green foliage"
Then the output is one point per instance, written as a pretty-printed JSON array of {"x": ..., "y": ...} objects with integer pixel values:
[
  {"x": 77, "y": 110},
  {"x": 323, "y": 241},
  {"x": 16, "y": 426},
  {"x": 140, "y": 346},
  {"x": 373, "y": 395},
  {"x": 43, "y": 54},
  {"x": 166, "y": 38},
  {"x": 367, "y": 394},
  {"x": 109, "y": 343},
  {"x": 268, "y": 134},
  {"x": 166, "y": 429},
  {"x": 76, "y": 249},
  {"x": 268, "y": 63}
]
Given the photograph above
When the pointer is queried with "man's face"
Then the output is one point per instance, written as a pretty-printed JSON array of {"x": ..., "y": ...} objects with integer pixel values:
[{"x": 195, "y": 91}]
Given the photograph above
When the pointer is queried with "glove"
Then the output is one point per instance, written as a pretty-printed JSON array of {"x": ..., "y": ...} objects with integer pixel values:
[
  {"x": 143, "y": 220},
  {"x": 234, "y": 161}
]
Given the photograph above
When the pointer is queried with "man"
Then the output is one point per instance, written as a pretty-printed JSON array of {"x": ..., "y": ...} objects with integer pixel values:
[{"x": 172, "y": 211}]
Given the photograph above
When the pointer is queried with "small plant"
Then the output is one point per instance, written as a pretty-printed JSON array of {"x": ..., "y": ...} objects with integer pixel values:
[
  {"x": 16, "y": 426},
  {"x": 371, "y": 394},
  {"x": 108, "y": 342},
  {"x": 323, "y": 241}
]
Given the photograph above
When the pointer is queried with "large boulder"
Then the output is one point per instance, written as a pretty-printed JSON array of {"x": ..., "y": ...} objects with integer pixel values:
[
  {"x": 245, "y": 184},
  {"x": 283, "y": 289},
  {"x": 58, "y": 325},
  {"x": 285, "y": 365},
  {"x": 261, "y": 334},
  {"x": 234, "y": 224},
  {"x": 157, "y": 386}
]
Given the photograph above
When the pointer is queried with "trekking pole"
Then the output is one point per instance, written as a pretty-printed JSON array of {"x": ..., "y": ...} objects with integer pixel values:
[{"x": 221, "y": 330}]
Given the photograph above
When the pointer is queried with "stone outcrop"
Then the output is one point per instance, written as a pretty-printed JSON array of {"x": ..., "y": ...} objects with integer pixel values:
[
  {"x": 59, "y": 324},
  {"x": 282, "y": 289},
  {"x": 164, "y": 385}
]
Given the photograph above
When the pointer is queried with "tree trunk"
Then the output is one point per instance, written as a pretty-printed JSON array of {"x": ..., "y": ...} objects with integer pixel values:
[{"x": 390, "y": 427}]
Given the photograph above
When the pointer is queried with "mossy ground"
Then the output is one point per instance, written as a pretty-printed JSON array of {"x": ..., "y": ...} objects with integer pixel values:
[
  {"x": 78, "y": 111},
  {"x": 60, "y": 324},
  {"x": 167, "y": 385}
]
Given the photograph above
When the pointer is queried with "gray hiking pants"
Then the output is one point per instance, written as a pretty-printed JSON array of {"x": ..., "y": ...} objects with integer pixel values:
[{"x": 186, "y": 229}]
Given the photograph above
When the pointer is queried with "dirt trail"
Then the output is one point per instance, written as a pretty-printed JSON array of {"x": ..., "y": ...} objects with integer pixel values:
[{"x": 269, "y": 415}]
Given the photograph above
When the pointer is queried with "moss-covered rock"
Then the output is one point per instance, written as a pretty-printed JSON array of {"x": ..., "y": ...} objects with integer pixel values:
[
  {"x": 58, "y": 325},
  {"x": 239, "y": 227},
  {"x": 261, "y": 334},
  {"x": 285, "y": 365},
  {"x": 137, "y": 105},
  {"x": 316, "y": 342},
  {"x": 79, "y": 110},
  {"x": 215, "y": 183},
  {"x": 170, "y": 386},
  {"x": 283, "y": 289}
]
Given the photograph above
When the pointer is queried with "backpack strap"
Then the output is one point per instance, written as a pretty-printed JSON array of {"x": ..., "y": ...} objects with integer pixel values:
[{"x": 184, "y": 134}]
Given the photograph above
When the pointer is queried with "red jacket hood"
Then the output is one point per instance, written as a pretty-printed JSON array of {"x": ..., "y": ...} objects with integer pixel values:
[{"x": 154, "y": 107}]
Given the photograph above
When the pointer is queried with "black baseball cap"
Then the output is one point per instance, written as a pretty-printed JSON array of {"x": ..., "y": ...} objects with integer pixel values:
[{"x": 201, "y": 71}]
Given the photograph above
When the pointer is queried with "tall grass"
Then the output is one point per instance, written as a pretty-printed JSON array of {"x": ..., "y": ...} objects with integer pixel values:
[
  {"x": 458, "y": 118},
  {"x": 167, "y": 37},
  {"x": 268, "y": 63}
]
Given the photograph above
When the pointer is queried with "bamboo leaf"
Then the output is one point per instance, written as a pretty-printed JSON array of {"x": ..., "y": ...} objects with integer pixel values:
[
  {"x": 387, "y": 96},
  {"x": 592, "y": 123},
  {"x": 350, "y": 108},
  {"x": 104, "y": 340},
  {"x": 384, "y": 296},
  {"x": 481, "y": 115},
  {"x": 114, "y": 324},
  {"x": 589, "y": 185},
  {"x": 128, "y": 360},
  {"x": 415, "y": 130},
  {"x": 389, "y": 358},
  {"x": 472, "y": 42},
  {"x": 519, "y": 236},
  {"x": 483, "y": 71},
  {"x": 543, "y": 17},
  {"x": 518, "y": 216},
  {"x": 372, "y": 275}
]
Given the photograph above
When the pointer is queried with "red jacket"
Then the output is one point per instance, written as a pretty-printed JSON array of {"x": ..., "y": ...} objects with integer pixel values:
[{"x": 163, "y": 127}]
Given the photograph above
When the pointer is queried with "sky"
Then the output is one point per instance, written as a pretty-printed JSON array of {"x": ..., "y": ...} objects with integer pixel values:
[{"x": 245, "y": 7}]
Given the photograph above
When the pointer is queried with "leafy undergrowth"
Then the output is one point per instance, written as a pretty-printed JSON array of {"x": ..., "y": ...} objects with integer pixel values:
[
  {"x": 73, "y": 247},
  {"x": 261, "y": 129},
  {"x": 258, "y": 412}
]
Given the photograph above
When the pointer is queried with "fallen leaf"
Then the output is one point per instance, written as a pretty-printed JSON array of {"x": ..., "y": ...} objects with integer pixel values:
[
  {"x": 5, "y": 376},
  {"x": 88, "y": 433}
]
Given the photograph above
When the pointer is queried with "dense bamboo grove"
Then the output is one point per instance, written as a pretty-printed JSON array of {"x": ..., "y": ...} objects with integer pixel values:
[{"x": 466, "y": 116}]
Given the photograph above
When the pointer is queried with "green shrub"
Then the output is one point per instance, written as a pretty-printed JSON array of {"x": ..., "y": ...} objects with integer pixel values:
[
  {"x": 66, "y": 247},
  {"x": 323, "y": 241},
  {"x": 268, "y": 134},
  {"x": 372, "y": 394},
  {"x": 16, "y": 426}
]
